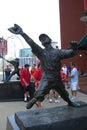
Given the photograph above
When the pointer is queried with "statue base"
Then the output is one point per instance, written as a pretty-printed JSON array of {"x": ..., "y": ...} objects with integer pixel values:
[
  {"x": 11, "y": 91},
  {"x": 57, "y": 118}
]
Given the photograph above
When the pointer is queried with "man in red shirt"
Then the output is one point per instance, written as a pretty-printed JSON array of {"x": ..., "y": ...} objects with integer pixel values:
[
  {"x": 36, "y": 77},
  {"x": 25, "y": 82}
]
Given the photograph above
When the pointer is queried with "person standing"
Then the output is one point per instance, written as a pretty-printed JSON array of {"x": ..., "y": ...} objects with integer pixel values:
[
  {"x": 64, "y": 69},
  {"x": 74, "y": 81},
  {"x": 64, "y": 77},
  {"x": 36, "y": 77},
  {"x": 7, "y": 72},
  {"x": 54, "y": 95},
  {"x": 25, "y": 81},
  {"x": 32, "y": 70}
]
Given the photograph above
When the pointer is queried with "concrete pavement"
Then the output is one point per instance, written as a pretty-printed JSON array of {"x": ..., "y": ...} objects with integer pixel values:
[{"x": 9, "y": 108}]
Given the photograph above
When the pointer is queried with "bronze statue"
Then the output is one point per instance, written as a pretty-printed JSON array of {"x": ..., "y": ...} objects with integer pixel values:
[
  {"x": 16, "y": 70},
  {"x": 51, "y": 64}
]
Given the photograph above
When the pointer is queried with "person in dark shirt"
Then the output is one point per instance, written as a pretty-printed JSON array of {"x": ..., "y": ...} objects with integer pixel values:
[
  {"x": 51, "y": 64},
  {"x": 7, "y": 72}
]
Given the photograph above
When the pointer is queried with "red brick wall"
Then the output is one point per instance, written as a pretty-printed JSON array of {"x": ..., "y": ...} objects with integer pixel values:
[{"x": 72, "y": 28}]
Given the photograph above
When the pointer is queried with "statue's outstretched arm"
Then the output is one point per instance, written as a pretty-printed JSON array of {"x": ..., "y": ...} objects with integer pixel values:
[
  {"x": 74, "y": 45},
  {"x": 18, "y": 30},
  {"x": 70, "y": 52}
]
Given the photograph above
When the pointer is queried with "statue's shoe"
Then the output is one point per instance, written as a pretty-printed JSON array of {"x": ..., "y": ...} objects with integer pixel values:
[
  {"x": 74, "y": 104},
  {"x": 31, "y": 103}
]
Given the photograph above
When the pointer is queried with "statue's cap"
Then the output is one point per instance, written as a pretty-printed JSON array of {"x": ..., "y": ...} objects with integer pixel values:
[{"x": 43, "y": 37}]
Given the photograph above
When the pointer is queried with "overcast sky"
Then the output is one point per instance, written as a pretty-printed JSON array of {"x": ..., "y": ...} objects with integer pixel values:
[{"x": 34, "y": 16}]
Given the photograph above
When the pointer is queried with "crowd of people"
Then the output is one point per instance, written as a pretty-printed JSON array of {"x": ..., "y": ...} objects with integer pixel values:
[{"x": 30, "y": 77}]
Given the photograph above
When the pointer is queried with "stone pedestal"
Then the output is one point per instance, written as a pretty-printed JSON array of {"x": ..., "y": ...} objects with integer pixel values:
[
  {"x": 57, "y": 118},
  {"x": 11, "y": 91}
]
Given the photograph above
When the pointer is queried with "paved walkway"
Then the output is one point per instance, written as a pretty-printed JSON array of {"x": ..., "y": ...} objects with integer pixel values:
[{"x": 9, "y": 108}]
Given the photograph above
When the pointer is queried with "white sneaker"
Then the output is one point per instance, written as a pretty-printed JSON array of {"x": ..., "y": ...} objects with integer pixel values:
[
  {"x": 59, "y": 96},
  {"x": 57, "y": 101},
  {"x": 73, "y": 97},
  {"x": 50, "y": 100},
  {"x": 25, "y": 99}
]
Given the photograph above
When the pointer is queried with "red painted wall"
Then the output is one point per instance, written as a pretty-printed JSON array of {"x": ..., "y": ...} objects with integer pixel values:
[
  {"x": 4, "y": 49},
  {"x": 72, "y": 28}
]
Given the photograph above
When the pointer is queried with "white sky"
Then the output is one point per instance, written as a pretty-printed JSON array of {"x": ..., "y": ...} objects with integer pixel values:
[{"x": 34, "y": 16}]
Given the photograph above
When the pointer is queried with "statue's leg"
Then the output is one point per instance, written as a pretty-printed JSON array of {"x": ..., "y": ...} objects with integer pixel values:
[
  {"x": 39, "y": 94},
  {"x": 65, "y": 95},
  {"x": 18, "y": 73}
]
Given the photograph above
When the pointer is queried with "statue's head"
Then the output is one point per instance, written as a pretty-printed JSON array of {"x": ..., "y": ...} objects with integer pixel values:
[{"x": 45, "y": 39}]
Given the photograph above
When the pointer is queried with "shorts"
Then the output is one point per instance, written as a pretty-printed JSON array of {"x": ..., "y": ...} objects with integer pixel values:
[
  {"x": 74, "y": 86},
  {"x": 30, "y": 89},
  {"x": 25, "y": 88}
]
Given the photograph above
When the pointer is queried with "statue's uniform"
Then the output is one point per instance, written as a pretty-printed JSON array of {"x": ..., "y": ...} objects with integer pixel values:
[{"x": 51, "y": 64}]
